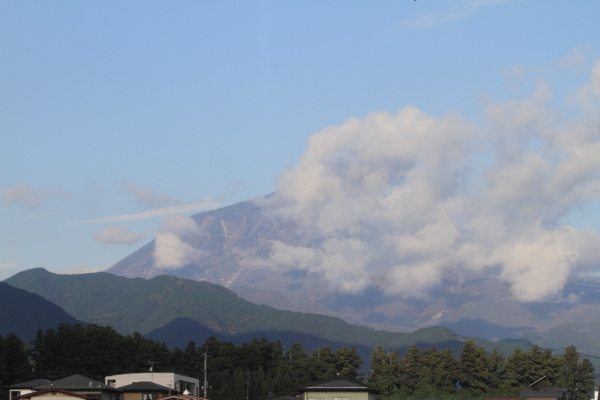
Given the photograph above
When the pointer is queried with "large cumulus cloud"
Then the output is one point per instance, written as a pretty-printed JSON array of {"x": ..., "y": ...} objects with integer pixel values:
[{"x": 396, "y": 199}]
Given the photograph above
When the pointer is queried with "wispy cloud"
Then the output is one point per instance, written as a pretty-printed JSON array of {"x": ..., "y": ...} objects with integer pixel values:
[
  {"x": 459, "y": 10},
  {"x": 24, "y": 195},
  {"x": 203, "y": 205}
]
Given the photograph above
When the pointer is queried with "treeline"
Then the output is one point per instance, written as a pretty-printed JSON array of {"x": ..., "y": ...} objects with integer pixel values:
[
  {"x": 264, "y": 369},
  {"x": 432, "y": 373}
]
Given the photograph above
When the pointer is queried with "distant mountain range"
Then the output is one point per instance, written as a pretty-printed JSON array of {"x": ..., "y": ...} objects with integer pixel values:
[
  {"x": 474, "y": 304},
  {"x": 176, "y": 310},
  {"x": 23, "y": 313}
]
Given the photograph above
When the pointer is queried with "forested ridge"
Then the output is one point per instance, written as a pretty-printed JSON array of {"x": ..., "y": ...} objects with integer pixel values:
[{"x": 266, "y": 369}]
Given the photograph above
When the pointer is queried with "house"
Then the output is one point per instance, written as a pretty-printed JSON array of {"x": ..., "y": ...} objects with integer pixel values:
[
  {"x": 54, "y": 394},
  {"x": 19, "y": 389},
  {"x": 184, "y": 397},
  {"x": 145, "y": 391},
  {"x": 171, "y": 380},
  {"x": 543, "y": 394},
  {"x": 85, "y": 386},
  {"x": 338, "y": 388}
]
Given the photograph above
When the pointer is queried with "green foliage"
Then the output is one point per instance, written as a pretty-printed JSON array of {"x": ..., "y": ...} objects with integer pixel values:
[
  {"x": 384, "y": 370},
  {"x": 473, "y": 369},
  {"x": 262, "y": 369},
  {"x": 139, "y": 305}
]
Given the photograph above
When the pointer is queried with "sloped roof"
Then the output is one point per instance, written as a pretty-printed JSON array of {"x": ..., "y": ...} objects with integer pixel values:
[
  {"x": 540, "y": 393},
  {"x": 55, "y": 390},
  {"x": 339, "y": 382},
  {"x": 78, "y": 382},
  {"x": 183, "y": 397},
  {"x": 28, "y": 384},
  {"x": 147, "y": 387}
]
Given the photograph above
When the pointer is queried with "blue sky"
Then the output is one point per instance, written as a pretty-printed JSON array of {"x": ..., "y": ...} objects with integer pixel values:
[{"x": 145, "y": 109}]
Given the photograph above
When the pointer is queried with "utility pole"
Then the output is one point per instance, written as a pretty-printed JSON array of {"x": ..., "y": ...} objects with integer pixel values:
[
  {"x": 247, "y": 386},
  {"x": 152, "y": 369},
  {"x": 205, "y": 381}
]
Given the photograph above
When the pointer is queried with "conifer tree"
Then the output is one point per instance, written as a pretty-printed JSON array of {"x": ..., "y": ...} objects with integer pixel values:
[
  {"x": 473, "y": 369},
  {"x": 16, "y": 360},
  {"x": 408, "y": 369},
  {"x": 384, "y": 370},
  {"x": 348, "y": 362},
  {"x": 322, "y": 363},
  {"x": 496, "y": 371}
]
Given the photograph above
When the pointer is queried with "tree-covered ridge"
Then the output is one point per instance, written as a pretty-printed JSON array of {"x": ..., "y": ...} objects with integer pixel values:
[
  {"x": 139, "y": 305},
  {"x": 267, "y": 369}
]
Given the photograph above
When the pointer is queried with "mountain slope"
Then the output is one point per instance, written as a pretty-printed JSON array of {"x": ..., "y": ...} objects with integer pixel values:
[
  {"x": 145, "y": 305},
  {"x": 470, "y": 303},
  {"x": 23, "y": 313}
]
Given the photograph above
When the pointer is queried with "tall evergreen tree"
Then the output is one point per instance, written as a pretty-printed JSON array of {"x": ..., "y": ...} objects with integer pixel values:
[
  {"x": 384, "y": 370},
  {"x": 408, "y": 369},
  {"x": 348, "y": 362},
  {"x": 322, "y": 363},
  {"x": 16, "y": 360},
  {"x": 473, "y": 369},
  {"x": 496, "y": 365}
]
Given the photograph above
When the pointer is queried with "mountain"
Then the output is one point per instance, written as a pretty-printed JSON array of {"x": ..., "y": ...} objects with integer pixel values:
[
  {"x": 475, "y": 304},
  {"x": 23, "y": 313},
  {"x": 177, "y": 310}
]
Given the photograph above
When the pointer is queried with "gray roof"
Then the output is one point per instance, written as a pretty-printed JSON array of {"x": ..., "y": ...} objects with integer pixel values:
[
  {"x": 146, "y": 387},
  {"x": 338, "y": 383},
  {"x": 78, "y": 382},
  {"x": 29, "y": 384},
  {"x": 537, "y": 393}
]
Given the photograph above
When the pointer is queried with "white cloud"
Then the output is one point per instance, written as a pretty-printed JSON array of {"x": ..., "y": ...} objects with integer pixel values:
[
  {"x": 148, "y": 197},
  {"x": 117, "y": 235},
  {"x": 203, "y": 205},
  {"x": 395, "y": 200},
  {"x": 575, "y": 59},
  {"x": 23, "y": 195},
  {"x": 170, "y": 250}
]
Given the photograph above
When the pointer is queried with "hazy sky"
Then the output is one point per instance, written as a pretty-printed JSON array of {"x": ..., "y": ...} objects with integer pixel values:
[{"x": 114, "y": 115}]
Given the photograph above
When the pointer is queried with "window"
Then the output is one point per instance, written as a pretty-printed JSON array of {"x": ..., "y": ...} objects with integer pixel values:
[
  {"x": 111, "y": 382},
  {"x": 14, "y": 393},
  {"x": 341, "y": 398},
  {"x": 147, "y": 396}
]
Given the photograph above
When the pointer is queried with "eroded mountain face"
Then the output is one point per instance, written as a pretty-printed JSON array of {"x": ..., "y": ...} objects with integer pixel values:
[{"x": 470, "y": 303}]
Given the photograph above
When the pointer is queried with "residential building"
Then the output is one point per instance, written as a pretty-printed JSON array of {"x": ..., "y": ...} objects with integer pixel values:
[
  {"x": 543, "y": 394},
  {"x": 338, "y": 388},
  {"x": 85, "y": 386},
  {"x": 146, "y": 391},
  {"x": 54, "y": 394},
  {"x": 170, "y": 380},
  {"x": 19, "y": 389}
]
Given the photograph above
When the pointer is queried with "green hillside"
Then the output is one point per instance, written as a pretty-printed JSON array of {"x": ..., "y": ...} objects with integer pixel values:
[
  {"x": 141, "y": 305},
  {"x": 23, "y": 313}
]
